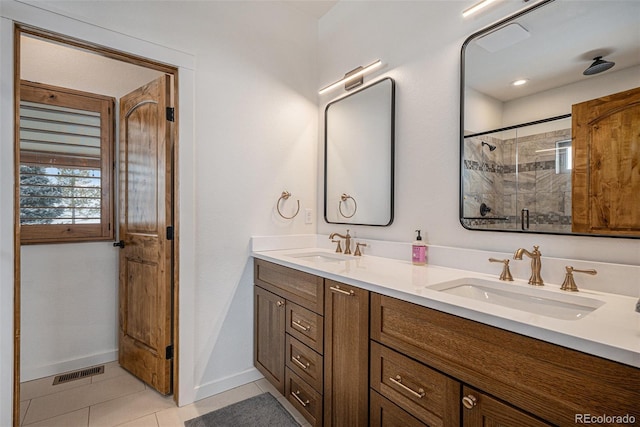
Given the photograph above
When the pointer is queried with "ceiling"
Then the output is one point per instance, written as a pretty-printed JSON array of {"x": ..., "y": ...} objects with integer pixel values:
[
  {"x": 563, "y": 38},
  {"x": 74, "y": 68}
]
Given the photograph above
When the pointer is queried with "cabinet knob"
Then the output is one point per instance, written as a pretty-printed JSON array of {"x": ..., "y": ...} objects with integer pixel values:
[
  {"x": 469, "y": 401},
  {"x": 280, "y": 303}
]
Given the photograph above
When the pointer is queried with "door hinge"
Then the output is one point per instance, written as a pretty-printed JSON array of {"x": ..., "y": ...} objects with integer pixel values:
[
  {"x": 170, "y": 232},
  {"x": 169, "y": 352},
  {"x": 171, "y": 114}
]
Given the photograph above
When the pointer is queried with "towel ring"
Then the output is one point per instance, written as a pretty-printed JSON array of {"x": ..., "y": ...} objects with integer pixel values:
[
  {"x": 285, "y": 196},
  {"x": 344, "y": 198}
]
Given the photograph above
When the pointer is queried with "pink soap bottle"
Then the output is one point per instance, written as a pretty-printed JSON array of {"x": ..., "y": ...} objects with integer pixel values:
[{"x": 419, "y": 251}]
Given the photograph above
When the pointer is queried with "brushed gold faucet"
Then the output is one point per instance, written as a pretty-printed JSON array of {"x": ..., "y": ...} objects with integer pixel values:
[
  {"x": 506, "y": 274},
  {"x": 536, "y": 264},
  {"x": 347, "y": 241},
  {"x": 358, "y": 252},
  {"x": 569, "y": 283}
]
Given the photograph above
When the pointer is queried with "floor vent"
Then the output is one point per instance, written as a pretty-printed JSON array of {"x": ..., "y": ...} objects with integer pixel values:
[{"x": 76, "y": 375}]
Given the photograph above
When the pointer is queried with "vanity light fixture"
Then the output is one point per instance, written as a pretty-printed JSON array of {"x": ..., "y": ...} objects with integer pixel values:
[
  {"x": 353, "y": 78},
  {"x": 473, "y": 9}
]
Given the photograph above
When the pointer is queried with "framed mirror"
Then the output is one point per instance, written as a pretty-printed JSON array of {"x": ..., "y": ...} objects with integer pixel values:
[
  {"x": 359, "y": 156},
  {"x": 550, "y": 117}
]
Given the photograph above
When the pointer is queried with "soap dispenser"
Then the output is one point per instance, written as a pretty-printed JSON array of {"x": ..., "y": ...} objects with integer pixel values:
[{"x": 419, "y": 251}]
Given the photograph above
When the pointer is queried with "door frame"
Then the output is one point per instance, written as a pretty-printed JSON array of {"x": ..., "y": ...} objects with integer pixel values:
[{"x": 19, "y": 29}]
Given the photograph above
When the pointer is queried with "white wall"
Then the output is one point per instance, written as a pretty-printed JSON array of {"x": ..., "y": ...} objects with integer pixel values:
[
  {"x": 556, "y": 102},
  {"x": 481, "y": 112},
  {"x": 420, "y": 44},
  {"x": 69, "y": 308}
]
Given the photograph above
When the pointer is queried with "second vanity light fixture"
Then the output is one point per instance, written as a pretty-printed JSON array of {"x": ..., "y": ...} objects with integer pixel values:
[{"x": 353, "y": 78}]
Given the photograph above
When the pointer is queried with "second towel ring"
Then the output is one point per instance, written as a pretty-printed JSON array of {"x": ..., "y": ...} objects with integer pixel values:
[
  {"x": 285, "y": 196},
  {"x": 344, "y": 198}
]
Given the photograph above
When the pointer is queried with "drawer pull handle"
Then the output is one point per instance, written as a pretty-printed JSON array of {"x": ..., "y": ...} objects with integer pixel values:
[
  {"x": 296, "y": 359},
  {"x": 300, "y": 326},
  {"x": 280, "y": 303},
  {"x": 398, "y": 381},
  {"x": 342, "y": 291},
  {"x": 295, "y": 396},
  {"x": 469, "y": 401}
]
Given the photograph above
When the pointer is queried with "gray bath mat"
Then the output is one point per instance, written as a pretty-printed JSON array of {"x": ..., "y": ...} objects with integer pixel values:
[{"x": 263, "y": 410}]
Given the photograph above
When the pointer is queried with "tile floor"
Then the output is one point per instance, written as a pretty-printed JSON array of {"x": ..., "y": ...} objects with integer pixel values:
[{"x": 116, "y": 398}]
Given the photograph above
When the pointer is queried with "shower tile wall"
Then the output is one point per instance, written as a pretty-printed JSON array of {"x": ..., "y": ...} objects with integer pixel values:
[
  {"x": 483, "y": 182},
  {"x": 509, "y": 179}
]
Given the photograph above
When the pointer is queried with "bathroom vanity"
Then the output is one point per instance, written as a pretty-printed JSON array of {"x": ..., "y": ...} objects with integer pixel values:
[{"x": 374, "y": 341}]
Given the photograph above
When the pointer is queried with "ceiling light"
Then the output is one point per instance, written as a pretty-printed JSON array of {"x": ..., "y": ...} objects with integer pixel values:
[
  {"x": 519, "y": 82},
  {"x": 473, "y": 9},
  {"x": 352, "y": 75}
]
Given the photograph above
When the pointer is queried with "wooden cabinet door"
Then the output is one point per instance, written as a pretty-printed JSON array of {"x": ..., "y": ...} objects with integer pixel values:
[
  {"x": 606, "y": 170},
  {"x": 346, "y": 358},
  {"x": 269, "y": 342},
  {"x": 480, "y": 410}
]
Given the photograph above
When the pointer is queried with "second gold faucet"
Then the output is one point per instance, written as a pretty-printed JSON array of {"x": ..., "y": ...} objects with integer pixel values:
[{"x": 536, "y": 264}]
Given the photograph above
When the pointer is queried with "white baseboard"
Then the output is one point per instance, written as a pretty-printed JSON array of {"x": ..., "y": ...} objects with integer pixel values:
[
  {"x": 227, "y": 383},
  {"x": 28, "y": 373}
]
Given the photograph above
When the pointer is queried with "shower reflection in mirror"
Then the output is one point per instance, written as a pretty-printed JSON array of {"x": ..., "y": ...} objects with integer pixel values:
[{"x": 519, "y": 177}]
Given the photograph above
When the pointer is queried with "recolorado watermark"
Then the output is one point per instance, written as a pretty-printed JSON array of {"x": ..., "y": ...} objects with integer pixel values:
[{"x": 604, "y": 419}]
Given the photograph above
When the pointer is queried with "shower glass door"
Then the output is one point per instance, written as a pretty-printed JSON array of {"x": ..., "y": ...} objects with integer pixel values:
[{"x": 519, "y": 178}]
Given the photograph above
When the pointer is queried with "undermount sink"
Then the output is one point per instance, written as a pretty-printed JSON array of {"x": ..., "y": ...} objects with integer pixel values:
[
  {"x": 319, "y": 257},
  {"x": 532, "y": 300}
]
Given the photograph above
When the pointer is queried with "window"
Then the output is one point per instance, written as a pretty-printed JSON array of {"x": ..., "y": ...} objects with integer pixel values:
[
  {"x": 66, "y": 165},
  {"x": 563, "y": 157}
]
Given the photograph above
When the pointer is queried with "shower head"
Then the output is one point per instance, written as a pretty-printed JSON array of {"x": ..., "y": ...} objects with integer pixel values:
[
  {"x": 491, "y": 147},
  {"x": 599, "y": 65}
]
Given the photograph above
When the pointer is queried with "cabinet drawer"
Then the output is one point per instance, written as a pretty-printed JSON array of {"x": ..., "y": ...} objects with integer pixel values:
[
  {"x": 304, "y": 362},
  {"x": 383, "y": 413},
  {"x": 535, "y": 376},
  {"x": 304, "y": 398},
  {"x": 427, "y": 394},
  {"x": 306, "y": 326},
  {"x": 302, "y": 288}
]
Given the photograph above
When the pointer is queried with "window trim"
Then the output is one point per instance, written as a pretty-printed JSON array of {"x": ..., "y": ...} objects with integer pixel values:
[{"x": 105, "y": 105}]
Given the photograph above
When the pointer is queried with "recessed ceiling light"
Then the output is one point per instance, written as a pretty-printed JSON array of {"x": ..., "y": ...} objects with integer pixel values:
[{"x": 519, "y": 82}]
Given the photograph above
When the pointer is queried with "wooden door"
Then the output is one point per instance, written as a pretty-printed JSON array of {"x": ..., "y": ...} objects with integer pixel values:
[
  {"x": 146, "y": 258},
  {"x": 269, "y": 326},
  {"x": 606, "y": 164},
  {"x": 346, "y": 356},
  {"x": 480, "y": 410}
]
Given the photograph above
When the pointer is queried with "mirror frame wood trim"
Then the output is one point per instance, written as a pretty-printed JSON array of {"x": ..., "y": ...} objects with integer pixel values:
[
  {"x": 392, "y": 151},
  {"x": 473, "y": 36}
]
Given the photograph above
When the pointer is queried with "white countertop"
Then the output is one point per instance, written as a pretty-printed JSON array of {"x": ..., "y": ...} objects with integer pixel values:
[{"x": 612, "y": 331}]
